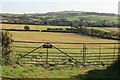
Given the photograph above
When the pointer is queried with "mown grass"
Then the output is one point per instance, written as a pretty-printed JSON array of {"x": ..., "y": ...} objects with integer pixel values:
[{"x": 55, "y": 37}]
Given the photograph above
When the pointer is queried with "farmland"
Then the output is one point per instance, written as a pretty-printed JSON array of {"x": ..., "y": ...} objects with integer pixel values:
[
  {"x": 106, "y": 29},
  {"x": 98, "y": 28},
  {"x": 69, "y": 15},
  {"x": 59, "y": 40},
  {"x": 36, "y": 71},
  {"x": 32, "y": 27},
  {"x": 51, "y": 36},
  {"x": 116, "y": 29},
  {"x": 100, "y": 54}
]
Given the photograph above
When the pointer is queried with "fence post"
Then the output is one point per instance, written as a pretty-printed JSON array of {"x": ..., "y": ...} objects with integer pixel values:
[
  {"x": 84, "y": 54},
  {"x": 118, "y": 51},
  {"x": 99, "y": 53},
  {"x": 114, "y": 53}
]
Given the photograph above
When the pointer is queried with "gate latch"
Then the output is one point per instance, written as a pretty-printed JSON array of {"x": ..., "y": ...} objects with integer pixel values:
[{"x": 47, "y": 45}]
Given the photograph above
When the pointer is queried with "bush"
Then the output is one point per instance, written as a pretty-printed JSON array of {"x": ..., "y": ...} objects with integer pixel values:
[
  {"x": 49, "y": 29},
  {"x": 54, "y": 29},
  {"x": 117, "y": 36},
  {"x": 6, "y": 47},
  {"x": 26, "y": 28},
  {"x": 59, "y": 29},
  {"x": 85, "y": 30},
  {"x": 71, "y": 30}
]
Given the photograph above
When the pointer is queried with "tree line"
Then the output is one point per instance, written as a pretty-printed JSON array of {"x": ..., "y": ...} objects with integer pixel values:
[
  {"x": 86, "y": 31},
  {"x": 65, "y": 22}
]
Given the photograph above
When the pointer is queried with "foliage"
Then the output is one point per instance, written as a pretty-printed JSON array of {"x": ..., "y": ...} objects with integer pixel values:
[
  {"x": 26, "y": 27},
  {"x": 6, "y": 47},
  {"x": 65, "y": 18},
  {"x": 87, "y": 31}
]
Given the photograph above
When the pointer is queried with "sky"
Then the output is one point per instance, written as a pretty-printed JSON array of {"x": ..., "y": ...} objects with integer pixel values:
[{"x": 44, "y": 6}]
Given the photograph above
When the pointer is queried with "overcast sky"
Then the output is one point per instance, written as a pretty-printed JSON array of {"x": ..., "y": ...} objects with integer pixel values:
[{"x": 43, "y": 6}]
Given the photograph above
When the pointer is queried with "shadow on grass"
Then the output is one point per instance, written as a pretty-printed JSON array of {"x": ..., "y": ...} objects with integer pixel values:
[{"x": 110, "y": 73}]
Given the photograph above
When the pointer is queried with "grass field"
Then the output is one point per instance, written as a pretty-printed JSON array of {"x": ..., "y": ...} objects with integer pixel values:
[
  {"x": 32, "y": 27},
  {"x": 93, "y": 18},
  {"x": 98, "y": 28},
  {"x": 55, "y": 37},
  {"x": 116, "y": 29},
  {"x": 106, "y": 29},
  {"x": 52, "y": 37},
  {"x": 40, "y": 72}
]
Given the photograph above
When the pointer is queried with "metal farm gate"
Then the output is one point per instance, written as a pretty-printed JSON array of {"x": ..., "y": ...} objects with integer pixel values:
[{"x": 63, "y": 53}]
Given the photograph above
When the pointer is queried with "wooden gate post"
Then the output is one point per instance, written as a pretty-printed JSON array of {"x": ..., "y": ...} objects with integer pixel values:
[
  {"x": 114, "y": 53},
  {"x": 84, "y": 54},
  {"x": 118, "y": 54},
  {"x": 99, "y": 53}
]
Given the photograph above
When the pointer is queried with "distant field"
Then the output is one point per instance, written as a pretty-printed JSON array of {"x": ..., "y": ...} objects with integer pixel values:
[
  {"x": 106, "y": 29},
  {"x": 93, "y": 18},
  {"x": 51, "y": 36},
  {"x": 32, "y": 27},
  {"x": 116, "y": 29},
  {"x": 98, "y": 28},
  {"x": 55, "y": 37}
]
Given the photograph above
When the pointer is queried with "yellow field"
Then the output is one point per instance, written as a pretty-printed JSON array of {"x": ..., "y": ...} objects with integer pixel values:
[
  {"x": 55, "y": 37},
  {"x": 49, "y": 36},
  {"x": 113, "y": 29},
  {"x": 32, "y": 27}
]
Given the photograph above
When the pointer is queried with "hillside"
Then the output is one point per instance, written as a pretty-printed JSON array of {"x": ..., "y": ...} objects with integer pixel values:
[
  {"x": 63, "y": 15},
  {"x": 76, "y": 15}
]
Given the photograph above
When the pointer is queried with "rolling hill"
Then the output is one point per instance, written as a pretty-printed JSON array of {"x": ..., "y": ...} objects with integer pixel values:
[{"x": 69, "y": 15}]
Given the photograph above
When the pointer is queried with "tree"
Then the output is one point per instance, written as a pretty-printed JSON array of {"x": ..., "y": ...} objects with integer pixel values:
[
  {"x": 71, "y": 24},
  {"x": 6, "y": 46},
  {"x": 46, "y": 22},
  {"x": 26, "y": 28}
]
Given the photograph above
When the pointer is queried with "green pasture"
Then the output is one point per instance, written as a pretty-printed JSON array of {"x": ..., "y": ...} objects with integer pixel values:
[
  {"x": 40, "y": 72},
  {"x": 107, "y": 53},
  {"x": 115, "y": 29},
  {"x": 98, "y": 28},
  {"x": 94, "y": 18}
]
